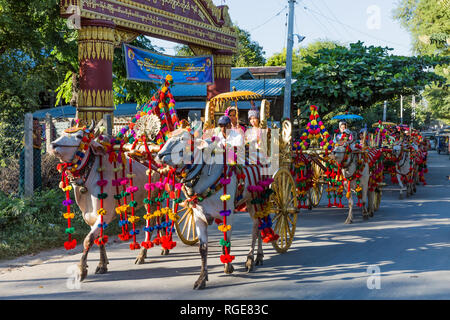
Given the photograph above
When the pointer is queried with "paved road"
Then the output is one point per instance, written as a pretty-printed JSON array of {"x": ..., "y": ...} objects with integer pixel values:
[{"x": 408, "y": 242}]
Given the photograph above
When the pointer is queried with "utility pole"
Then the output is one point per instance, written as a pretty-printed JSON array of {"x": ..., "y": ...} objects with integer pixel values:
[
  {"x": 290, "y": 43},
  {"x": 413, "y": 115},
  {"x": 401, "y": 109},
  {"x": 384, "y": 111}
]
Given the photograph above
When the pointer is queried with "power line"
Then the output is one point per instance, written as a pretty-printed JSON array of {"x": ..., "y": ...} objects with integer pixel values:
[
  {"x": 317, "y": 22},
  {"x": 367, "y": 34},
  {"x": 269, "y": 19},
  {"x": 332, "y": 27},
  {"x": 334, "y": 16}
]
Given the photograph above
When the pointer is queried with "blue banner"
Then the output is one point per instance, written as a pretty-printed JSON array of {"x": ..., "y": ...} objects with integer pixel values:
[{"x": 143, "y": 65}]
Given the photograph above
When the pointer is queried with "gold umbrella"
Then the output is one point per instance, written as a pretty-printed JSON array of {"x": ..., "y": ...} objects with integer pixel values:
[
  {"x": 376, "y": 124},
  {"x": 235, "y": 96}
]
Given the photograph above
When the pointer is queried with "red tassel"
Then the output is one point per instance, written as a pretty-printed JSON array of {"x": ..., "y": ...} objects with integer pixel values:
[
  {"x": 147, "y": 244},
  {"x": 226, "y": 258},
  {"x": 268, "y": 235},
  {"x": 69, "y": 245},
  {"x": 167, "y": 243},
  {"x": 134, "y": 245},
  {"x": 101, "y": 240},
  {"x": 124, "y": 236},
  {"x": 157, "y": 241}
]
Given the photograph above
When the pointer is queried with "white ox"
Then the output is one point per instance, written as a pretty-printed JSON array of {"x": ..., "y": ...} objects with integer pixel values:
[
  {"x": 403, "y": 168},
  {"x": 86, "y": 191},
  {"x": 200, "y": 177},
  {"x": 349, "y": 167}
]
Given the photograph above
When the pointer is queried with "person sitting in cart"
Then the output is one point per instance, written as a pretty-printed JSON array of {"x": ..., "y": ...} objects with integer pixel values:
[
  {"x": 253, "y": 116},
  {"x": 344, "y": 132},
  {"x": 361, "y": 137},
  {"x": 253, "y": 133},
  {"x": 232, "y": 113},
  {"x": 228, "y": 136}
]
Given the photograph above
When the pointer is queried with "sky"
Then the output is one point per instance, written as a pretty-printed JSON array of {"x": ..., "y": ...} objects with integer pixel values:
[{"x": 345, "y": 21}]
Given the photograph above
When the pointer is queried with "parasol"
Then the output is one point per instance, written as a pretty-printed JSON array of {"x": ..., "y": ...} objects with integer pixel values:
[
  {"x": 235, "y": 96},
  {"x": 347, "y": 117},
  {"x": 376, "y": 124}
]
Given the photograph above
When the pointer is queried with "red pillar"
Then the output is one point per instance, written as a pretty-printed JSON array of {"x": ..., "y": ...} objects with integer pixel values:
[{"x": 95, "y": 56}]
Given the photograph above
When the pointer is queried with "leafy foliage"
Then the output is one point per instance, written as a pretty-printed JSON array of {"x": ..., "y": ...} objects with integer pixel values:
[
  {"x": 29, "y": 31},
  {"x": 357, "y": 77},
  {"x": 428, "y": 22},
  {"x": 299, "y": 55},
  {"x": 30, "y": 225},
  {"x": 249, "y": 52}
]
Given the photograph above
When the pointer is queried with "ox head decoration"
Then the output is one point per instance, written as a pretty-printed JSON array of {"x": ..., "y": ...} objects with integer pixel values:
[
  {"x": 70, "y": 147},
  {"x": 339, "y": 153},
  {"x": 397, "y": 149}
]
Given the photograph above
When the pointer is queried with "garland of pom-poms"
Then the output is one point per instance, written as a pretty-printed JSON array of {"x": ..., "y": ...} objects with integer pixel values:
[
  {"x": 102, "y": 239},
  {"x": 161, "y": 104},
  {"x": 303, "y": 176},
  {"x": 132, "y": 204},
  {"x": 73, "y": 168},
  {"x": 171, "y": 217},
  {"x": 315, "y": 133},
  {"x": 66, "y": 187},
  {"x": 226, "y": 257}
]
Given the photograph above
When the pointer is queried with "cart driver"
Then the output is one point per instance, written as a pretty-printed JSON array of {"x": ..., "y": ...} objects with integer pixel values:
[{"x": 231, "y": 139}]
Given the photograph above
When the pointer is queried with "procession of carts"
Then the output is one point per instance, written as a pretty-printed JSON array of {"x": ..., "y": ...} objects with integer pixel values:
[
  {"x": 308, "y": 166},
  {"x": 306, "y": 170}
]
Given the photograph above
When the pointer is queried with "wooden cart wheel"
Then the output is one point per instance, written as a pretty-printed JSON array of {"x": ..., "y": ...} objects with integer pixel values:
[
  {"x": 185, "y": 226},
  {"x": 284, "y": 207},
  {"x": 316, "y": 191}
]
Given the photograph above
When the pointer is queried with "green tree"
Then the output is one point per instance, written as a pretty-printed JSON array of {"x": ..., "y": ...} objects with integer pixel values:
[
  {"x": 299, "y": 54},
  {"x": 28, "y": 33},
  {"x": 428, "y": 22},
  {"x": 249, "y": 52},
  {"x": 355, "y": 78}
]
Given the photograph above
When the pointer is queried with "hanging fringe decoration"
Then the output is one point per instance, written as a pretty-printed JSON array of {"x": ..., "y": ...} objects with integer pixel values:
[
  {"x": 133, "y": 204},
  {"x": 102, "y": 239},
  {"x": 66, "y": 187},
  {"x": 226, "y": 257}
]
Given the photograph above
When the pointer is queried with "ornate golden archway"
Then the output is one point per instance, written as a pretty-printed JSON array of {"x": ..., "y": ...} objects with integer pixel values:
[{"x": 105, "y": 24}]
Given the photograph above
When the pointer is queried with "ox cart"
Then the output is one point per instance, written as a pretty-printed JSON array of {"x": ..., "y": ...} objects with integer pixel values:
[
  {"x": 402, "y": 156},
  {"x": 321, "y": 172},
  {"x": 283, "y": 200}
]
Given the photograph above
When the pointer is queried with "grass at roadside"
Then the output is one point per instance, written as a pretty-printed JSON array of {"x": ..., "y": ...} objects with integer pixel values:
[{"x": 31, "y": 225}]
